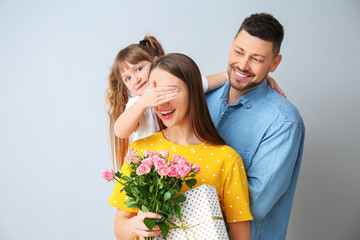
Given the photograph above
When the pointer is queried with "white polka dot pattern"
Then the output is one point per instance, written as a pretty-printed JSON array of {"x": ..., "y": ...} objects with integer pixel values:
[{"x": 201, "y": 205}]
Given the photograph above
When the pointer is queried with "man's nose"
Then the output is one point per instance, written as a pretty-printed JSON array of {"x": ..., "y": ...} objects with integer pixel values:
[{"x": 244, "y": 64}]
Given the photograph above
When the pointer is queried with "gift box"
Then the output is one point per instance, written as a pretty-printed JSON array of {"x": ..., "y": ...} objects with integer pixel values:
[{"x": 201, "y": 217}]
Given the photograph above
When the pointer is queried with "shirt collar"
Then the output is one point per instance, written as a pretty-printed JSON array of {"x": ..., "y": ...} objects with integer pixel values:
[{"x": 249, "y": 98}]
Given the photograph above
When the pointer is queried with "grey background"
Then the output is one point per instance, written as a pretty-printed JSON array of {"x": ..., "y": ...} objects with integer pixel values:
[{"x": 54, "y": 61}]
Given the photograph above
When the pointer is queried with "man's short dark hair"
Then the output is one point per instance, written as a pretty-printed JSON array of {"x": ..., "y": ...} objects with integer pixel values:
[{"x": 265, "y": 27}]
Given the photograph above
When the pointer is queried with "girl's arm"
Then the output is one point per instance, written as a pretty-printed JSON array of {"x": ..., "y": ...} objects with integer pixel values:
[
  {"x": 128, "y": 121},
  {"x": 240, "y": 230},
  {"x": 216, "y": 80},
  {"x": 129, "y": 225},
  {"x": 219, "y": 79}
]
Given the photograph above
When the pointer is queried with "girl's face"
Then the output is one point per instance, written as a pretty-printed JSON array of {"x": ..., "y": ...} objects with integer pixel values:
[
  {"x": 136, "y": 76},
  {"x": 175, "y": 112}
]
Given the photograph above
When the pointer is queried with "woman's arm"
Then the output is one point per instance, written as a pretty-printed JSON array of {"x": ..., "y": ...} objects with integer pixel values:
[
  {"x": 240, "y": 230},
  {"x": 129, "y": 225}
]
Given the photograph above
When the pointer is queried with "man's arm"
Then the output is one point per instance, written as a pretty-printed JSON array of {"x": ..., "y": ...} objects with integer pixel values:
[{"x": 273, "y": 166}]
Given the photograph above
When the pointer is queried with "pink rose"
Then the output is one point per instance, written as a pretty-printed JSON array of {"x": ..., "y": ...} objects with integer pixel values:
[
  {"x": 177, "y": 158},
  {"x": 146, "y": 152},
  {"x": 127, "y": 159},
  {"x": 171, "y": 162},
  {"x": 142, "y": 169},
  {"x": 163, "y": 171},
  {"x": 159, "y": 162},
  {"x": 108, "y": 175},
  {"x": 173, "y": 171},
  {"x": 148, "y": 161},
  {"x": 131, "y": 153},
  {"x": 183, "y": 169},
  {"x": 182, "y": 160},
  {"x": 196, "y": 167},
  {"x": 151, "y": 154},
  {"x": 164, "y": 154},
  {"x": 135, "y": 160}
]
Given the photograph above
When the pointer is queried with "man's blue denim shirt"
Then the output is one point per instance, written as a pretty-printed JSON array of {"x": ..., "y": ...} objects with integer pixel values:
[{"x": 268, "y": 133}]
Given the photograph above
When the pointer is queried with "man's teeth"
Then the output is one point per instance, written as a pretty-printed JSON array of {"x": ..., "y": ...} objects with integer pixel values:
[
  {"x": 240, "y": 75},
  {"x": 167, "y": 112}
]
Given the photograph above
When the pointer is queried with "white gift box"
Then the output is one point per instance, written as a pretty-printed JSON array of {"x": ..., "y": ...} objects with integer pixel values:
[{"x": 201, "y": 217}]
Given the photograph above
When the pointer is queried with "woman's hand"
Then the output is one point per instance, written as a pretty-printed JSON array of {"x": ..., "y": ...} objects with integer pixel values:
[
  {"x": 128, "y": 225},
  {"x": 273, "y": 84},
  {"x": 139, "y": 227}
]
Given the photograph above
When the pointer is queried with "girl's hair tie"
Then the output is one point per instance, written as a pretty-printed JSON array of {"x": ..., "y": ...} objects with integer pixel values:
[{"x": 144, "y": 42}]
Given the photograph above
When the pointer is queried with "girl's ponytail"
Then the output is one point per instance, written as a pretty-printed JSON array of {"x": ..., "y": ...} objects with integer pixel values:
[{"x": 155, "y": 46}]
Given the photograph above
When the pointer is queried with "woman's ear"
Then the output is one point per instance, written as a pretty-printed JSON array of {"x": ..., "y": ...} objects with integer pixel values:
[{"x": 156, "y": 58}]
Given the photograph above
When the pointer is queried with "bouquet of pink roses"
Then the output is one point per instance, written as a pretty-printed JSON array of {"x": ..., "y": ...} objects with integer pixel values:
[{"x": 153, "y": 183}]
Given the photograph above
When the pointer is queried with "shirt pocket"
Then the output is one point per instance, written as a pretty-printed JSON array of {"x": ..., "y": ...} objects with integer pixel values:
[{"x": 246, "y": 158}]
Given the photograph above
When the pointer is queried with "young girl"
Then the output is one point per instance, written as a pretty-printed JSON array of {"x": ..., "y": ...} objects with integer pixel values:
[
  {"x": 133, "y": 118},
  {"x": 190, "y": 133}
]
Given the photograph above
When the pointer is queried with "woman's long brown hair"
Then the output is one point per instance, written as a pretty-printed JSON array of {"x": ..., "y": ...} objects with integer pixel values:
[
  {"x": 117, "y": 94},
  {"x": 184, "y": 68}
]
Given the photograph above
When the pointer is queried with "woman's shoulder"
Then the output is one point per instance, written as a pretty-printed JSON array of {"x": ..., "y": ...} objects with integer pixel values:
[
  {"x": 152, "y": 139},
  {"x": 223, "y": 150}
]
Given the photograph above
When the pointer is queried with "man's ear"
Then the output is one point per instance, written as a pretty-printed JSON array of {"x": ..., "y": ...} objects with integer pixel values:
[{"x": 275, "y": 63}]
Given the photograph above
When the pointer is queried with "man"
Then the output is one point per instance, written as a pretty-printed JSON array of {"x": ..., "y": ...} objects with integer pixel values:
[{"x": 260, "y": 124}]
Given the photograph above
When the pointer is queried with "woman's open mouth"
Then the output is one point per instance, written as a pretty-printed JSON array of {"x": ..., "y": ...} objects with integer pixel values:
[{"x": 167, "y": 114}]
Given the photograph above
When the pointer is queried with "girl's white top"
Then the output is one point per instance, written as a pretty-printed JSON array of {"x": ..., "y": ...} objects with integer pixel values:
[{"x": 148, "y": 124}]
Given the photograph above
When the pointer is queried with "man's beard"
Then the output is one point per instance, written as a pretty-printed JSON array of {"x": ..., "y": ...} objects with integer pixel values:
[{"x": 250, "y": 85}]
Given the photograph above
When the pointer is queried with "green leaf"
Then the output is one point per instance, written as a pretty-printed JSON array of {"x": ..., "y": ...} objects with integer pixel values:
[
  {"x": 167, "y": 196},
  {"x": 144, "y": 209},
  {"x": 191, "y": 182},
  {"x": 149, "y": 223},
  {"x": 171, "y": 214},
  {"x": 151, "y": 188},
  {"x": 177, "y": 211},
  {"x": 172, "y": 224},
  {"x": 173, "y": 192},
  {"x": 131, "y": 203},
  {"x": 127, "y": 178},
  {"x": 180, "y": 198},
  {"x": 164, "y": 229},
  {"x": 165, "y": 208},
  {"x": 178, "y": 186},
  {"x": 135, "y": 189},
  {"x": 145, "y": 202}
]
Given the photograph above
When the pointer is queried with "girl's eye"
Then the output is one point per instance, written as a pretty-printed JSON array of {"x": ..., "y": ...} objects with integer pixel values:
[
  {"x": 127, "y": 79},
  {"x": 139, "y": 69}
]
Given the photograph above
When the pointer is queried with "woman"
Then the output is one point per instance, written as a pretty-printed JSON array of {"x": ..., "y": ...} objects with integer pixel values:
[{"x": 189, "y": 132}]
